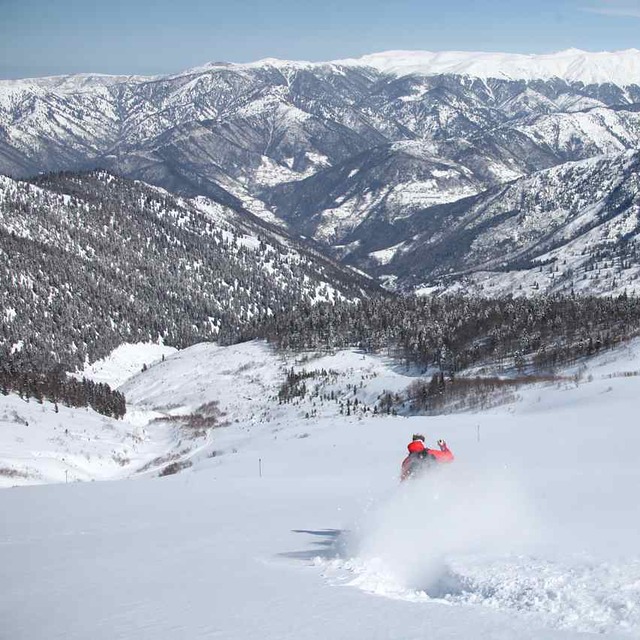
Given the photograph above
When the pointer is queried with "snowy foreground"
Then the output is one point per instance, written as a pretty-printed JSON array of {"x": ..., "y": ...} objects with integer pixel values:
[{"x": 532, "y": 533}]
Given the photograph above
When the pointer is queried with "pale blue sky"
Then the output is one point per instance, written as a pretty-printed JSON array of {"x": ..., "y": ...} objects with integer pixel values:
[{"x": 44, "y": 37}]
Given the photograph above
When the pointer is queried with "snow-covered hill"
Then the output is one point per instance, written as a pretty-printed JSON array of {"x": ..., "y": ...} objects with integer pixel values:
[
  {"x": 298, "y": 526},
  {"x": 169, "y": 397}
]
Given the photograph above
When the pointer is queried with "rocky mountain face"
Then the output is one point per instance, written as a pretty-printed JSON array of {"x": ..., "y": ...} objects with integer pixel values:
[
  {"x": 356, "y": 154},
  {"x": 92, "y": 260},
  {"x": 367, "y": 194},
  {"x": 574, "y": 228}
]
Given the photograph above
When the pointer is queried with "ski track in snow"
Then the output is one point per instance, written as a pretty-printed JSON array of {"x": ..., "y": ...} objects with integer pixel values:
[{"x": 585, "y": 595}]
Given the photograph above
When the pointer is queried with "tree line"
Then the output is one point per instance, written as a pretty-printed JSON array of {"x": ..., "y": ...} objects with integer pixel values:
[
  {"x": 455, "y": 332},
  {"x": 58, "y": 388}
]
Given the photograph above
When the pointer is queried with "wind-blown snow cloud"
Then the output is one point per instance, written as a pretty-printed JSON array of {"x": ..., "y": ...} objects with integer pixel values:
[{"x": 627, "y": 8}]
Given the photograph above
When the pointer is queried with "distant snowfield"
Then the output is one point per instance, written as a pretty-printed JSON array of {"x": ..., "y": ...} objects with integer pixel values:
[
  {"x": 532, "y": 533},
  {"x": 573, "y": 65}
]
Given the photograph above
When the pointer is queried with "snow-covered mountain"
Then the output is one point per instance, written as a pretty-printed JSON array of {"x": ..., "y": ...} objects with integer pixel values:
[
  {"x": 571, "y": 228},
  {"x": 91, "y": 260},
  {"x": 341, "y": 151},
  {"x": 253, "y": 125},
  {"x": 414, "y": 221},
  {"x": 489, "y": 173}
]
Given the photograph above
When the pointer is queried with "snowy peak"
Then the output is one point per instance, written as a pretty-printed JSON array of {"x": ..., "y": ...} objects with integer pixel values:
[{"x": 572, "y": 65}]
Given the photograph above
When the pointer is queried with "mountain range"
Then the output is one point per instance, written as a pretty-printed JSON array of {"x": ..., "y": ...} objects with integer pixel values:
[{"x": 383, "y": 160}]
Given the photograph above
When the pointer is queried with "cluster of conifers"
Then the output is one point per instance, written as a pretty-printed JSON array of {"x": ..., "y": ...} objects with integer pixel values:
[{"x": 58, "y": 388}]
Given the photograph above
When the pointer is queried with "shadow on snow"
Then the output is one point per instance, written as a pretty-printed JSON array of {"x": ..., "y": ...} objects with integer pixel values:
[{"x": 326, "y": 544}]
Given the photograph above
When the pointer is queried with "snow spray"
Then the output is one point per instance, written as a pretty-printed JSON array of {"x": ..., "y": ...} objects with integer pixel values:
[{"x": 405, "y": 543}]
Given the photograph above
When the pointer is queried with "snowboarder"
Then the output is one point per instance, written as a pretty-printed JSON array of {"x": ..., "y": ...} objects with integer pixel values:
[{"x": 421, "y": 458}]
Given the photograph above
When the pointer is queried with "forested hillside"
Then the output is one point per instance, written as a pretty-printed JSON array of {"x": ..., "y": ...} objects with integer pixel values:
[{"x": 90, "y": 261}]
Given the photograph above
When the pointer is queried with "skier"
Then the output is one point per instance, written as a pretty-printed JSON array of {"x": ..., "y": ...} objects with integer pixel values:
[
  {"x": 421, "y": 458},
  {"x": 417, "y": 459}
]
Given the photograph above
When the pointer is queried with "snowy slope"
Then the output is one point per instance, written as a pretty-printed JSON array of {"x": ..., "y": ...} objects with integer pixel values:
[
  {"x": 237, "y": 385},
  {"x": 88, "y": 261},
  {"x": 531, "y": 534},
  {"x": 41, "y": 443},
  {"x": 125, "y": 361}
]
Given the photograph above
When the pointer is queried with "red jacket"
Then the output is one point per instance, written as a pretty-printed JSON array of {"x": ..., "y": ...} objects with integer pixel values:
[
  {"x": 441, "y": 456},
  {"x": 444, "y": 455}
]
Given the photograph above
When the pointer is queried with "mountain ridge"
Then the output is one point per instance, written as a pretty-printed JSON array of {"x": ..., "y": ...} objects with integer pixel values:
[{"x": 573, "y": 65}]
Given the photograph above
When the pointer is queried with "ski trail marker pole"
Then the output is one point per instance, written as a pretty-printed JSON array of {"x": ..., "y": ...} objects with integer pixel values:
[
  {"x": 478, "y": 434},
  {"x": 260, "y": 467}
]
